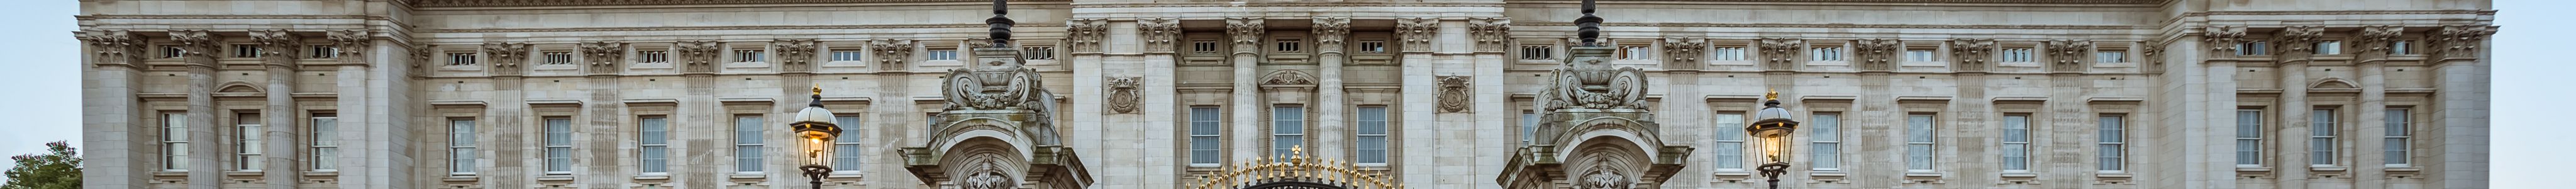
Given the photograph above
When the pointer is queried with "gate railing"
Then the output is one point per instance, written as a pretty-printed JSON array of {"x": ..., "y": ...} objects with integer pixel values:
[{"x": 1296, "y": 170}]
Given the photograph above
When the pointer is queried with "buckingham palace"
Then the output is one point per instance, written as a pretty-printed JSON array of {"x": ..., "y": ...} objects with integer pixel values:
[{"x": 1285, "y": 94}]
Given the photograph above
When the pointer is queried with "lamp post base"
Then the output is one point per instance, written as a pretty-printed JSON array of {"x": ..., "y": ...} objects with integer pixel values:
[
  {"x": 1775, "y": 183},
  {"x": 816, "y": 172}
]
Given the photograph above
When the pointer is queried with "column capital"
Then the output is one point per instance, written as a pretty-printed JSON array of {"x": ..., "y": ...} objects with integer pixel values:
[
  {"x": 277, "y": 47},
  {"x": 1330, "y": 33},
  {"x": 891, "y": 53},
  {"x": 1247, "y": 32},
  {"x": 1159, "y": 33},
  {"x": 2296, "y": 43},
  {"x": 2222, "y": 40},
  {"x": 1877, "y": 54},
  {"x": 2375, "y": 40},
  {"x": 1493, "y": 34},
  {"x": 794, "y": 55},
  {"x": 198, "y": 47},
  {"x": 603, "y": 56},
  {"x": 2069, "y": 55},
  {"x": 1084, "y": 34},
  {"x": 506, "y": 57},
  {"x": 2461, "y": 41},
  {"x": 2153, "y": 53},
  {"x": 1417, "y": 32},
  {"x": 1683, "y": 53},
  {"x": 1971, "y": 54},
  {"x": 1780, "y": 54},
  {"x": 352, "y": 45},
  {"x": 114, "y": 47}
]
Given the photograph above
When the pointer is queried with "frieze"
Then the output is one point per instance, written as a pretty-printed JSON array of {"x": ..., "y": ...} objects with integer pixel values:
[
  {"x": 1159, "y": 33},
  {"x": 1416, "y": 33}
]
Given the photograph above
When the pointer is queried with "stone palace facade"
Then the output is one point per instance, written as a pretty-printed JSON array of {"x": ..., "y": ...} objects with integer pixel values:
[{"x": 421, "y": 94}]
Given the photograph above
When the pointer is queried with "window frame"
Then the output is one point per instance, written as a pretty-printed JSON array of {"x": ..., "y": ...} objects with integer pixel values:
[
  {"x": 653, "y": 56},
  {"x": 556, "y": 57},
  {"x": 556, "y": 143},
  {"x": 2398, "y": 141},
  {"x": 323, "y": 130},
  {"x": 2018, "y": 54},
  {"x": 249, "y": 141},
  {"x": 750, "y": 55},
  {"x": 1928, "y": 140},
  {"x": 2111, "y": 141},
  {"x": 939, "y": 54},
  {"x": 848, "y": 153},
  {"x": 1729, "y": 142},
  {"x": 2324, "y": 149},
  {"x": 1372, "y": 46},
  {"x": 1826, "y": 54},
  {"x": 2249, "y": 138},
  {"x": 653, "y": 132},
  {"x": 1281, "y": 118},
  {"x": 1038, "y": 52},
  {"x": 749, "y": 140},
  {"x": 2016, "y": 142},
  {"x": 462, "y": 146},
  {"x": 1368, "y": 117},
  {"x": 1825, "y": 141},
  {"x": 174, "y": 142},
  {"x": 463, "y": 59},
  {"x": 1206, "y": 122},
  {"x": 1728, "y": 53},
  {"x": 323, "y": 51}
]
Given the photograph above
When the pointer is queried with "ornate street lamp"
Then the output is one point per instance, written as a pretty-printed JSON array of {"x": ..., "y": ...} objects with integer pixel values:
[
  {"x": 814, "y": 124},
  {"x": 1774, "y": 127}
]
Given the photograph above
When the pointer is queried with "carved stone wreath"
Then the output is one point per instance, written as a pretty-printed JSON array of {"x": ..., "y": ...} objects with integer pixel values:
[
  {"x": 1453, "y": 94},
  {"x": 988, "y": 176},
  {"x": 1604, "y": 179},
  {"x": 1122, "y": 94}
]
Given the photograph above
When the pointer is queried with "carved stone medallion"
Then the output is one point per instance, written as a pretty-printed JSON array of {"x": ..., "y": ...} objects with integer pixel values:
[
  {"x": 1122, "y": 94},
  {"x": 1453, "y": 94}
]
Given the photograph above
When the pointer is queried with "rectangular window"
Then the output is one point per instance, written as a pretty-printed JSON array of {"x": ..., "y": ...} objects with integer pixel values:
[
  {"x": 1373, "y": 46},
  {"x": 2329, "y": 47},
  {"x": 246, "y": 144},
  {"x": 1827, "y": 142},
  {"x": 1038, "y": 53},
  {"x": 324, "y": 51},
  {"x": 2016, "y": 143},
  {"x": 1529, "y": 127},
  {"x": 2398, "y": 137},
  {"x": 1825, "y": 54},
  {"x": 1287, "y": 129},
  {"x": 246, "y": 51},
  {"x": 654, "y": 139},
  {"x": 460, "y": 59},
  {"x": 556, "y": 58},
  {"x": 747, "y": 144},
  {"x": 1921, "y": 55},
  {"x": 2249, "y": 137},
  {"x": 174, "y": 142},
  {"x": 653, "y": 56},
  {"x": 1728, "y": 53},
  {"x": 941, "y": 55},
  {"x": 1636, "y": 52},
  {"x": 747, "y": 56},
  {"x": 2251, "y": 48},
  {"x": 1372, "y": 135},
  {"x": 2114, "y": 143},
  {"x": 2401, "y": 47},
  {"x": 2321, "y": 137},
  {"x": 1538, "y": 52},
  {"x": 172, "y": 51},
  {"x": 558, "y": 135},
  {"x": 1918, "y": 143},
  {"x": 849, "y": 55},
  {"x": 1730, "y": 141},
  {"x": 326, "y": 142},
  {"x": 846, "y": 151},
  {"x": 460, "y": 146},
  {"x": 1203, "y": 47},
  {"x": 2018, "y": 55},
  {"x": 2110, "y": 57},
  {"x": 1205, "y": 130},
  {"x": 1289, "y": 45}
]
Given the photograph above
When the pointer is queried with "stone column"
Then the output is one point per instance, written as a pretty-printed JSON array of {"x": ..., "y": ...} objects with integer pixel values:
[
  {"x": 1414, "y": 36},
  {"x": 2209, "y": 88},
  {"x": 205, "y": 145},
  {"x": 2373, "y": 43},
  {"x": 1495, "y": 119},
  {"x": 2293, "y": 48},
  {"x": 110, "y": 110},
  {"x": 278, "y": 55},
  {"x": 1330, "y": 34},
  {"x": 1246, "y": 33},
  {"x": 2460, "y": 107},
  {"x": 1090, "y": 112},
  {"x": 700, "y": 112},
  {"x": 506, "y": 122},
  {"x": 1879, "y": 115},
  {"x": 607, "y": 157},
  {"x": 1154, "y": 41},
  {"x": 2060, "y": 143}
]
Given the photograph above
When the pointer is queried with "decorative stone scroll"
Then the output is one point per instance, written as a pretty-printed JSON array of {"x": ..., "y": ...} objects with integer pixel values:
[
  {"x": 1454, "y": 97},
  {"x": 2069, "y": 55},
  {"x": 1877, "y": 54},
  {"x": 114, "y": 47},
  {"x": 2296, "y": 43},
  {"x": 199, "y": 46},
  {"x": 1416, "y": 33},
  {"x": 988, "y": 176},
  {"x": 1971, "y": 54},
  {"x": 1123, "y": 97},
  {"x": 1781, "y": 54},
  {"x": 1604, "y": 178},
  {"x": 699, "y": 56},
  {"x": 352, "y": 45},
  {"x": 603, "y": 56},
  {"x": 1001, "y": 87},
  {"x": 1683, "y": 53},
  {"x": 420, "y": 55},
  {"x": 2153, "y": 52},
  {"x": 1247, "y": 33},
  {"x": 1159, "y": 33},
  {"x": 891, "y": 53},
  {"x": 506, "y": 57},
  {"x": 795, "y": 55},
  {"x": 2374, "y": 41},
  {"x": 2222, "y": 40},
  {"x": 1588, "y": 82},
  {"x": 277, "y": 47},
  {"x": 1330, "y": 33},
  {"x": 1492, "y": 34},
  {"x": 1084, "y": 35},
  {"x": 2460, "y": 41}
]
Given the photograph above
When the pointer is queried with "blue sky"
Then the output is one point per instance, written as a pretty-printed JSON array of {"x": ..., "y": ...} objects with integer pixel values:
[{"x": 43, "y": 80}]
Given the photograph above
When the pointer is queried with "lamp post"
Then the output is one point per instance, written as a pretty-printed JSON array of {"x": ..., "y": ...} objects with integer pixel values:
[
  {"x": 814, "y": 124},
  {"x": 1774, "y": 127}
]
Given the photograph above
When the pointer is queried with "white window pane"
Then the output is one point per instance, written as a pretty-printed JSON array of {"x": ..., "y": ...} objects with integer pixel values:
[
  {"x": 747, "y": 158},
  {"x": 655, "y": 159},
  {"x": 1826, "y": 128},
  {"x": 1828, "y": 155}
]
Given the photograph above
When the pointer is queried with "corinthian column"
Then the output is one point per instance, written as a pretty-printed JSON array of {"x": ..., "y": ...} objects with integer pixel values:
[
  {"x": 200, "y": 48},
  {"x": 1247, "y": 33},
  {"x": 278, "y": 55},
  {"x": 2373, "y": 42},
  {"x": 2460, "y": 106},
  {"x": 1330, "y": 34},
  {"x": 2295, "y": 45}
]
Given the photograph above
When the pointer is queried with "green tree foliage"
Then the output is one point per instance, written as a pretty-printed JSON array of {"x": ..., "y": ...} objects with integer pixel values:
[{"x": 60, "y": 169}]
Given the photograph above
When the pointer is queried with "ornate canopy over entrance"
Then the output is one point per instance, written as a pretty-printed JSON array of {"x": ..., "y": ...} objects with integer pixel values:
[{"x": 1295, "y": 171}]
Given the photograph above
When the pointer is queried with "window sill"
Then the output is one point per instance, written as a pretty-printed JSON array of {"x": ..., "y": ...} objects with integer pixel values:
[
  {"x": 2403, "y": 168},
  {"x": 845, "y": 175},
  {"x": 2328, "y": 168},
  {"x": 242, "y": 173},
  {"x": 2253, "y": 169},
  {"x": 325, "y": 173},
  {"x": 554, "y": 178},
  {"x": 1924, "y": 174},
  {"x": 653, "y": 177},
  {"x": 2019, "y": 175},
  {"x": 460, "y": 178},
  {"x": 750, "y": 175}
]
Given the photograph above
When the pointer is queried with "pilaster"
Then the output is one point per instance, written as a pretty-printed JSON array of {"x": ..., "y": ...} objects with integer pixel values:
[
  {"x": 2211, "y": 88},
  {"x": 110, "y": 111},
  {"x": 1415, "y": 36},
  {"x": 2461, "y": 106}
]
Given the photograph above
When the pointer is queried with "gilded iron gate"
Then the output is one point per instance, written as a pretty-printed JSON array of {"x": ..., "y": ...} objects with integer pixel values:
[{"x": 1296, "y": 171}]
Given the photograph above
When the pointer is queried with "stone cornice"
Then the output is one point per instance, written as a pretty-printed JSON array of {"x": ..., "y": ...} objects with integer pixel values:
[
  {"x": 697, "y": 28},
  {"x": 523, "y": 3},
  {"x": 1936, "y": 1},
  {"x": 1895, "y": 26}
]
